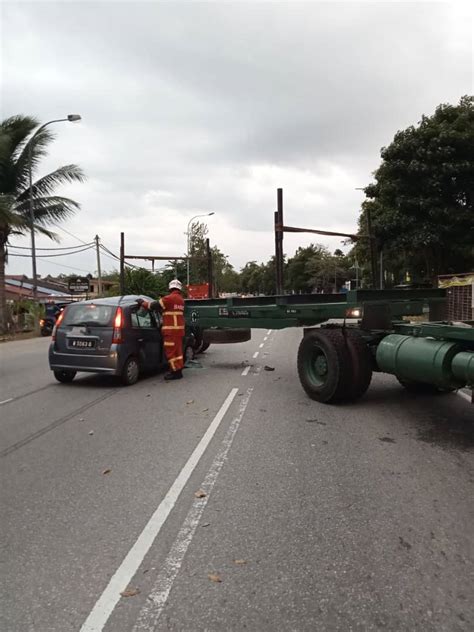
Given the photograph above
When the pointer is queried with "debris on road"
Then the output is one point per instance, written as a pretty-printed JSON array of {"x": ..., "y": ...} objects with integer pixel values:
[
  {"x": 240, "y": 562},
  {"x": 268, "y": 368},
  {"x": 106, "y": 471},
  {"x": 91, "y": 432},
  {"x": 81, "y": 418},
  {"x": 200, "y": 493},
  {"x": 204, "y": 410},
  {"x": 215, "y": 577},
  {"x": 130, "y": 592},
  {"x": 387, "y": 439},
  {"x": 206, "y": 524},
  {"x": 191, "y": 401}
]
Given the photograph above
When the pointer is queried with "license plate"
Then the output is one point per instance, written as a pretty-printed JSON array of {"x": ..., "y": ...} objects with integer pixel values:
[{"x": 82, "y": 344}]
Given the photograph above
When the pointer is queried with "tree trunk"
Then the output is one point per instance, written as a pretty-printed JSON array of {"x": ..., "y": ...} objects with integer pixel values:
[{"x": 3, "y": 297}]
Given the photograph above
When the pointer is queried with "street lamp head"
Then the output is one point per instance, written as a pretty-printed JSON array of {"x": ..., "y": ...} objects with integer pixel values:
[{"x": 73, "y": 117}]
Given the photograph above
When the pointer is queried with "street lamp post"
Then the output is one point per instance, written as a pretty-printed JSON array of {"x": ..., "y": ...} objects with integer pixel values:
[
  {"x": 70, "y": 118},
  {"x": 188, "y": 241}
]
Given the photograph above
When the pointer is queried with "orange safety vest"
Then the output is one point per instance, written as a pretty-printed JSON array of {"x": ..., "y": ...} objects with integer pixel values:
[{"x": 173, "y": 314}]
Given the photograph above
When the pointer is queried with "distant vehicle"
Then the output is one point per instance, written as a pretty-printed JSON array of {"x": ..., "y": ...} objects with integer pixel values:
[
  {"x": 52, "y": 313},
  {"x": 112, "y": 336}
]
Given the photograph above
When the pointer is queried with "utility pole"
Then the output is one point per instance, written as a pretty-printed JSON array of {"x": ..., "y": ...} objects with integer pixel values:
[
  {"x": 122, "y": 264},
  {"x": 99, "y": 272}
]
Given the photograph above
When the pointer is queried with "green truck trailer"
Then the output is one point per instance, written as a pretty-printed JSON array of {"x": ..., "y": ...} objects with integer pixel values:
[{"x": 346, "y": 337}]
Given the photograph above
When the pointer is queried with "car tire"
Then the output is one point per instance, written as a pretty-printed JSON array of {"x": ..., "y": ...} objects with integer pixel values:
[
  {"x": 64, "y": 376},
  {"x": 130, "y": 371}
]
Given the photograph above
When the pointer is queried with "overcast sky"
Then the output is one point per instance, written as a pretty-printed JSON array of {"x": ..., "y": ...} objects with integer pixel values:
[{"x": 193, "y": 107}]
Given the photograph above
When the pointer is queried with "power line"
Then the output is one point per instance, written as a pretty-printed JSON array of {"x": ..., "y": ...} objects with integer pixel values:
[
  {"x": 63, "y": 265},
  {"x": 62, "y": 254},
  {"x": 71, "y": 234},
  {"x": 54, "y": 249}
]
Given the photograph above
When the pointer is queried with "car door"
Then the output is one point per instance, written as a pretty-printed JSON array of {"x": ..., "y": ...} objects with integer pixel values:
[{"x": 147, "y": 336}]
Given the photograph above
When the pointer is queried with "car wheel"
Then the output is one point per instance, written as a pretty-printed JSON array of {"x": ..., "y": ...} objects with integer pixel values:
[
  {"x": 65, "y": 376},
  {"x": 130, "y": 371}
]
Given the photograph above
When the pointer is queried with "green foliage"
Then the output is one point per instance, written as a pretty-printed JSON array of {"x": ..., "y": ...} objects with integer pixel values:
[
  {"x": 17, "y": 142},
  {"x": 422, "y": 200}
]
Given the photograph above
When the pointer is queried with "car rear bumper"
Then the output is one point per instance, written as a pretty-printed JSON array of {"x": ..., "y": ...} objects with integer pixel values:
[{"x": 85, "y": 362}]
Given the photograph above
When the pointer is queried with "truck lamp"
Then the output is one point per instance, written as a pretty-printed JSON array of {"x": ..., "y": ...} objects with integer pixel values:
[{"x": 354, "y": 312}]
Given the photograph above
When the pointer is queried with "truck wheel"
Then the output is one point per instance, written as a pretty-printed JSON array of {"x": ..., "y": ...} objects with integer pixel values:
[
  {"x": 324, "y": 366},
  {"x": 362, "y": 361},
  {"x": 204, "y": 346},
  {"x": 226, "y": 336},
  {"x": 188, "y": 353},
  {"x": 130, "y": 371},
  {"x": 423, "y": 389},
  {"x": 64, "y": 376}
]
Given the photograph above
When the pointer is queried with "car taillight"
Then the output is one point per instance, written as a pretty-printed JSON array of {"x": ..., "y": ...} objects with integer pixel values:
[
  {"x": 117, "y": 335},
  {"x": 58, "y": 322}
]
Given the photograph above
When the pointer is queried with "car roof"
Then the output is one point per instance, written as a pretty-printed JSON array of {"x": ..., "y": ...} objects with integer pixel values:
[{"x": 115, "y": 301}]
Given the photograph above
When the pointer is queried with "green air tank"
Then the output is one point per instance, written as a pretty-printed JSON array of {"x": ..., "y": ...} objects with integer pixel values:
[{"x": 420, "y": 360}]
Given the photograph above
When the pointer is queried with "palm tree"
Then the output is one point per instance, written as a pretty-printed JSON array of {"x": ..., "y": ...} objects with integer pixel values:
[{"x": 16, "y": 137}]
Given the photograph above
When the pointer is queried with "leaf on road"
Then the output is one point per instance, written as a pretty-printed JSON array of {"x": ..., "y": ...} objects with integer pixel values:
[
  {"x": 91, "y": 432},
  {"x": 191, "y": 401},
  {"x": 200, "y": 493},
  {"x": 130, "y": 592},
  {"x": 240, "y": 562},
  {"x": 81, "y": 418},
  {"x": 204, "y": 410},
  {"x": 215, "y": 577},
  {"x": 107, "y": 471},
  {"x": 206, "y": 524},
  {"x": 387, "y": 439},
  {"x": 268, "y": 368}
]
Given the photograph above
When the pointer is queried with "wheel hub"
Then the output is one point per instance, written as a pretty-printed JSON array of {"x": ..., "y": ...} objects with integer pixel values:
[{"x": 321, "y": 365}]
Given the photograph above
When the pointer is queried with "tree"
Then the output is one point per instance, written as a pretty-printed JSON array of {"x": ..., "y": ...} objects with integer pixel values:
[
  {"x": 422, "y": 200},
  {"x": 16, "y": 138}
]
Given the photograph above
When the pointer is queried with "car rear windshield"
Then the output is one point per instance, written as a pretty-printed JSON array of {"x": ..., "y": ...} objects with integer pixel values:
[{"x": 91, "y": 315}]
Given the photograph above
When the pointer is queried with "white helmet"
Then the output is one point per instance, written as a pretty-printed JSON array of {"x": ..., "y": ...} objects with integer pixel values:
[{"x": 175, "y": 285}]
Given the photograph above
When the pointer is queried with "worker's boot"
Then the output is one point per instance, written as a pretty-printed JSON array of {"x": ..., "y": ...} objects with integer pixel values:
[{"x": 174, "y": 375}]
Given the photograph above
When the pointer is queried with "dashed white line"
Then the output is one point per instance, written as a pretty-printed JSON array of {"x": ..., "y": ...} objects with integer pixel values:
[
  {"x": 154, "y": 604},
  {"x": 261, "y": 345},
  {"x": 266, "y": 338},
  {"x": 255, "y": 355},
  {"x": 269, "y": 332},
  {"x": 5, "y": 401},
  {"x": 246, "y": 370},
  {"x": 106, "y": 603}
]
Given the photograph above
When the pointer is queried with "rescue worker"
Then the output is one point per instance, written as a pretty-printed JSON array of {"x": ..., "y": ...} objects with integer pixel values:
[{"x": 172, "y": 308}]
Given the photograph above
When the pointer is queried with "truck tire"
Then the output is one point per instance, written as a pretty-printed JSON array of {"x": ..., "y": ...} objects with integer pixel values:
[
  {"x": 325, "y": 366},
  {"x": 64, "y": 376},
  {"x": 226, "y": 336},
  {"x": 421, "y": 388},
  {"x": 362, "y": 362},
  {"x": 204, "y": 346}
]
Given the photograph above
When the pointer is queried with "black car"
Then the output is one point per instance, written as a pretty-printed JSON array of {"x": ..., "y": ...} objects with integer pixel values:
[{"x": 112, "y": 336}]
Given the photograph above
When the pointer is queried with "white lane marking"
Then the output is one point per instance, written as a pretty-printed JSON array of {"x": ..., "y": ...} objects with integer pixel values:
[
  {"x": 255, "y": 355},
  {"x": 106, "y": 603},
  {"x": 464, "y": 396},
  {"x": 156, "y": 600},
  {"x": 261, "y": 345},
  {"x": 5, "y": 401},
  {"x": 246, "y": 370},
  {"x": 269, "y": 332},
  {"x": 266, "y": 338}
]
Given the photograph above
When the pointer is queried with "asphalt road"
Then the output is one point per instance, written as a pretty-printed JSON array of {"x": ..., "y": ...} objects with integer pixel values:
[{"x": 230, "y": 501}]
